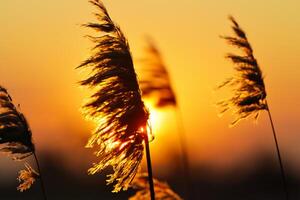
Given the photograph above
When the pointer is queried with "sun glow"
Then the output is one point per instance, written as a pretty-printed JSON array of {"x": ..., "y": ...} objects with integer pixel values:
[
  {"x": 155, "y": 118},
  {"x": 163, "y": 129}
]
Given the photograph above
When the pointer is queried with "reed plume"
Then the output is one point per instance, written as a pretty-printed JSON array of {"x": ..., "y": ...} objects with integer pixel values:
[
  {"x": 156, "y": 82},
  {"x": 116, "y": 105},
  {"x": 162, "y": 190},
  {"x": 249, "y": 93},
  {"x": 16, "y": 138},
  {"x": 15, "y": 134}
]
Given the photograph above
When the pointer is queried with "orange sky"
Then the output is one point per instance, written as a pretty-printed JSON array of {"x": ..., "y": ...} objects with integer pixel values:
[{"x": 42, "y": 42}]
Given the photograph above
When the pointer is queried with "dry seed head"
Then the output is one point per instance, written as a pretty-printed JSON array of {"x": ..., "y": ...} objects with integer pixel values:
[
  {"x": 162, "y": 190},
  {"x": 248, "y": 88},
  {"x": 155, "y": 80},
  {"x": 15, "y": 134},
  {"x": 116, "y": 105}
]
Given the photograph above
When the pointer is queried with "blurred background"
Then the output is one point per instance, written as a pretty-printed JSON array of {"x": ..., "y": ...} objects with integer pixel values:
[{"x": 42, "y": 42}]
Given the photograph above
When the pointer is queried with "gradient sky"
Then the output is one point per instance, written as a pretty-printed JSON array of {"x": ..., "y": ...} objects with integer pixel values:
[{"x": 42, "y": 42}]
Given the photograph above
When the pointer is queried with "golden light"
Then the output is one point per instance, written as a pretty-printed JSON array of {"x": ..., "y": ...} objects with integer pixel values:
[
  {"x": 156, "y": 119},
  {"x": 164, "y": 130}
]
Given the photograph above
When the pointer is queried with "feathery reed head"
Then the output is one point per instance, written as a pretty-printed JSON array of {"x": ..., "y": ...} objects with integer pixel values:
[
  {"x": 249, "y": 94},
  {"x": 156, "y": 80},
  {"x": 162, "y": 190},
  {"x": 15, "y": 134},
  {"x": 116, "y": 104},
  {"x": 27, "y": 177}
]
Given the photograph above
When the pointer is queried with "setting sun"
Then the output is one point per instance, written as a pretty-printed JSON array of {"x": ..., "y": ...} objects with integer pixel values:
[{"x": 156, "y": 118}]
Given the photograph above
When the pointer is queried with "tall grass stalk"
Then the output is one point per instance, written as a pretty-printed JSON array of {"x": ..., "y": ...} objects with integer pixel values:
[
  {"x": 249, "y": 92},
  {"x": 16, "y": 140},
  {"x": 185, "y": 153},
  {"x": 155, "y": 81},
  {"x": 116, "y": 105},
  {"x": 283, "y": 176},
  {"x": 40, "y": 176},
  {"x": 149, "y": 167}
]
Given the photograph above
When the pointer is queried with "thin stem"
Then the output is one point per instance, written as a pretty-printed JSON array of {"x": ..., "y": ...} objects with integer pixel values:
[
  {"x": 279, "y": 156},
  {"x": 184, "y": 150},
  {"x": 41, "y": 177},
  {"x": 149, "y": 165}
]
